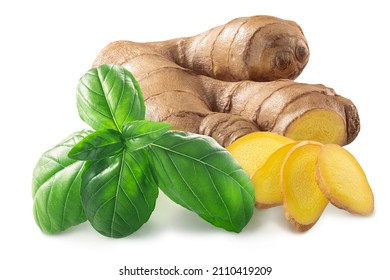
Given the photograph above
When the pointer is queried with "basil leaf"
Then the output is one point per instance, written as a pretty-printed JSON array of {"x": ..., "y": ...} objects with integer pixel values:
[
  {"x": 139, "y": 134},
  {"x": 197, "y": 173},
  {"x": 98, "y": 145},
  {"x": 56, "y": 187},
  {"x": 119, "y": 193},
  {"x": 109, "y": 97}
]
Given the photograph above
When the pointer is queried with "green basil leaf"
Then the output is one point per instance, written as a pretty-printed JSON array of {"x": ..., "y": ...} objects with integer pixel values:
[
  {"x": 197, "y": 173},
  {"x": 109, "y": 97},
  {"x": 98, "y": 145},
  {"x": 139, "y": 134},
  {"x": 56, "y": 187},
  {"x": 119, "y": 193}
]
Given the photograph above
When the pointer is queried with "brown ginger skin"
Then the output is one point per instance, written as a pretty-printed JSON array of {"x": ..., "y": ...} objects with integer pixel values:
[
  {"x": 257, "y": 48},
  {"x": 202, "y": 84}
]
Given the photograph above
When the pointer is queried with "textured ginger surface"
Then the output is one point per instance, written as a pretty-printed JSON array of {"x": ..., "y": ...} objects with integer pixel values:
[
  {"x": 252, "y": 150},
  {"x": 236, "y": 79},
  {"x": 343, "y": 181},
  {"x": 303, "y": 200},
  {"x": 266, "y": 180}
]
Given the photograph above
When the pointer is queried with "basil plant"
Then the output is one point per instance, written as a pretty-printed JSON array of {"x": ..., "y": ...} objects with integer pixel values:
[{"x": 111, "y": 174}]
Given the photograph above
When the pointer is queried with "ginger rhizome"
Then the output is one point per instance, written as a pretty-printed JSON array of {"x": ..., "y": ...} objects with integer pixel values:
[
  {"x": 303, "y": 176},
  {"x": 252, "y": 150},
  {"x": 303, "y": 200},
  {"x": 266, "y": 180},
  {"x": 236, "y": 79},
  {"x": 340, "y": 175}
]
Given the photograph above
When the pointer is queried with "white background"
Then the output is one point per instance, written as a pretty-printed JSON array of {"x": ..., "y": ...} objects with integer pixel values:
[{"x": 46, "y": 46}]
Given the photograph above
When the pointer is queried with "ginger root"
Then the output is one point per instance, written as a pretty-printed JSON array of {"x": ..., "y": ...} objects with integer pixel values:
[
  {"x": 343, "y": 181},
  {"x": 303, "y": 200},
  {"x": 221, "y": 83},
  {"x": 303, "y": 176},
  {"x": 252, "y": 150},
  {"x": 266, "y": 180}
]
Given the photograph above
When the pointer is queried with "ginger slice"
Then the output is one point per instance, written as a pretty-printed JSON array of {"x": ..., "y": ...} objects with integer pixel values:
[
  {"x": 252, "y": 150},
  {"x": 266, "y": 180},
  {"x": 321, "y": 125},
  {"x": 343, "y": 181},
  {"x": 303, "y": 200}
]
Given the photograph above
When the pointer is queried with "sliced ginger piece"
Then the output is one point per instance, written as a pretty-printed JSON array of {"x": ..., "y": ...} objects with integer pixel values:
[
  {"x": 253, "y": 149},
  {"x": 303, "y": 200},
  {"x": 266, "y": 180},
  {"x": 321, "y": 125},
  {"x": 343, "y": 181}
]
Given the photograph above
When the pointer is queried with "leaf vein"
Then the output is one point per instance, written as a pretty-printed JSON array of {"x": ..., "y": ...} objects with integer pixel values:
[
  {"x": 166, "y": 172},
  {"x": 69, "y": 191},
  {"x": 188, "y": 185}
]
